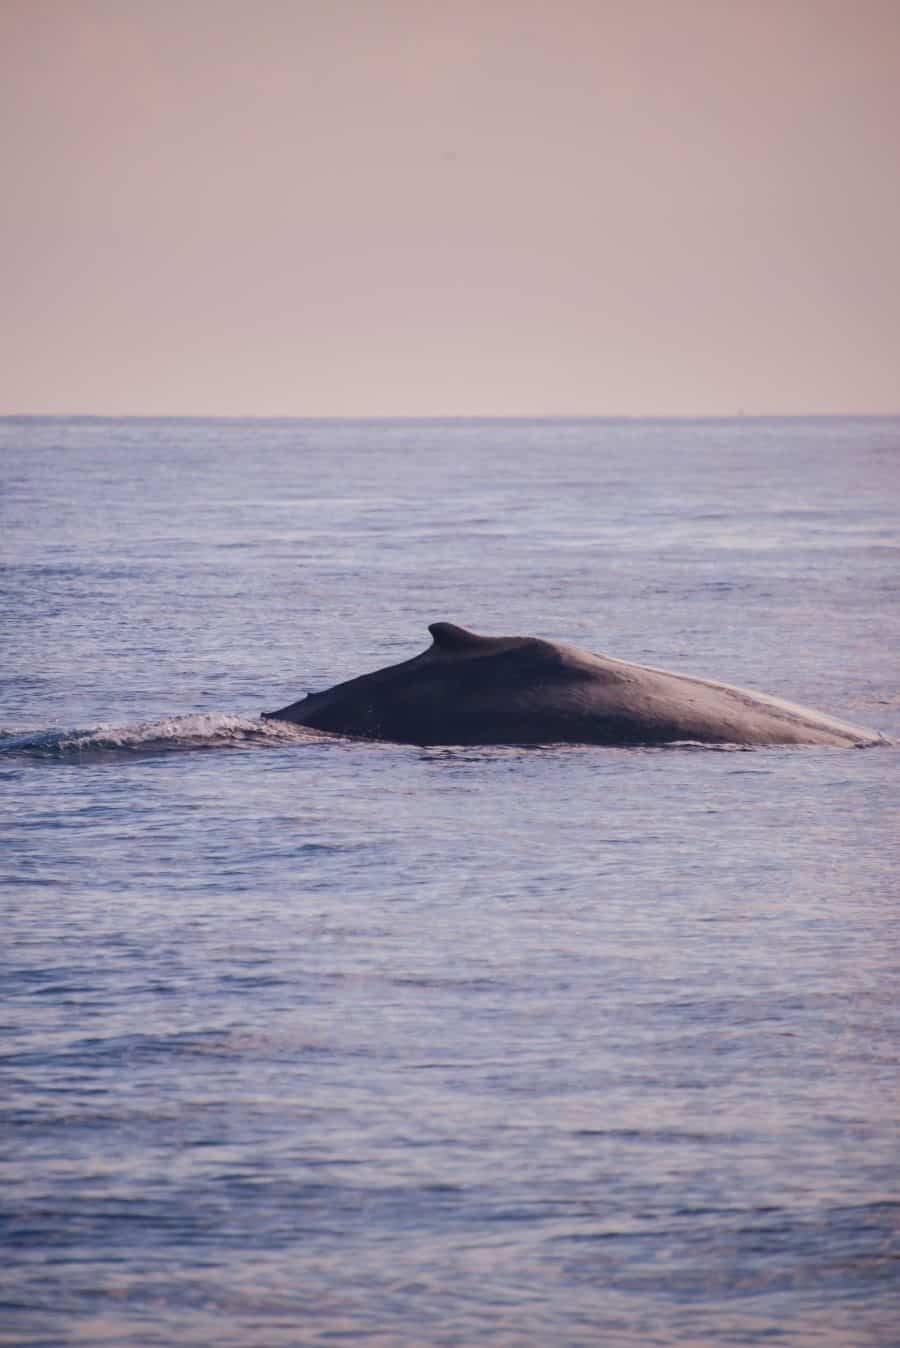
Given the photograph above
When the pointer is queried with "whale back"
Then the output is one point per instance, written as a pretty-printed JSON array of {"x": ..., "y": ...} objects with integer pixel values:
[{"x": 467, "y": 688}]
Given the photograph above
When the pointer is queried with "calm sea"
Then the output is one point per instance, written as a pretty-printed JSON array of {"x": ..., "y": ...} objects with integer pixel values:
[{"x": 311, "y": 1041}]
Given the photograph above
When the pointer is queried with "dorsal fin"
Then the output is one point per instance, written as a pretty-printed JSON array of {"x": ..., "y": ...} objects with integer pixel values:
[{"x": 450, "y": 638}]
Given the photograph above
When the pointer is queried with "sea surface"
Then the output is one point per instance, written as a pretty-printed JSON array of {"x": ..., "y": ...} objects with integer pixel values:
[{"x": 314, "y": 1041}]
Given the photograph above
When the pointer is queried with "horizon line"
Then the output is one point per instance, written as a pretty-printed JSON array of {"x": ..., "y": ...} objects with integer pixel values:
[{"x": 450, "y": 416}]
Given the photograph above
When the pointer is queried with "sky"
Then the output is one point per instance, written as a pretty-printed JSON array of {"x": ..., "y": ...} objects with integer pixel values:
[{"x": 449, "y": 207}]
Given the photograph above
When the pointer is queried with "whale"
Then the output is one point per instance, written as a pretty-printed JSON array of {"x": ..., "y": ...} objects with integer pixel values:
[{"x": 469, "y": 689}]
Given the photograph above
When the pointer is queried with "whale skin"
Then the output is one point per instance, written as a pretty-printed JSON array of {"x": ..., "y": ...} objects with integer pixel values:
[{"x": 471, "y": 689}]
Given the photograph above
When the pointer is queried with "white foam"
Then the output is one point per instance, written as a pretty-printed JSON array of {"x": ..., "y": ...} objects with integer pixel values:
[{"x": 203, "y": 730}]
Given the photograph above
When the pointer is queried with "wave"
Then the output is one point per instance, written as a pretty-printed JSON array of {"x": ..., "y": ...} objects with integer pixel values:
[
  {"x": 203, "y": 730},
  {"x": 213, "y": 730}
]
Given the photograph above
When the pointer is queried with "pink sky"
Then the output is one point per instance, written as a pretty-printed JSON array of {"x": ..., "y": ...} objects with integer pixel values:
[{"x": 402, "y": 207}]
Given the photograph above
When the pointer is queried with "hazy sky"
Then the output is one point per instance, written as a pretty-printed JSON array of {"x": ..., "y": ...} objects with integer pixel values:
[{"x": 388, "y": 207}]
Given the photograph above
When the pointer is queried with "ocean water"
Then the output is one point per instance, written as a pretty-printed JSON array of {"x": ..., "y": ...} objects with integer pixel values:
[{"x": 314, "y": 1041}]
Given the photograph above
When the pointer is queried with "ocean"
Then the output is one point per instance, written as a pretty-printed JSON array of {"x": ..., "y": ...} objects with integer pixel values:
[{"x": 308, "y": 1040}]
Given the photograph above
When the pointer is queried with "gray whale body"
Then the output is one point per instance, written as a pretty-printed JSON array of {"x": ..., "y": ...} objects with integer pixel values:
[{"x": 471, "y": 689}]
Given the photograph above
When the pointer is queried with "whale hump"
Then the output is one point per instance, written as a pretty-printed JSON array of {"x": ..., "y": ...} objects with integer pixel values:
[
  {"x": 473, "y": 689},
  {"x": 450, "y": 638}
]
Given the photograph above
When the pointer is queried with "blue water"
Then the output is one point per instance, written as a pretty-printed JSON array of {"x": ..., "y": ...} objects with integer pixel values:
[{"x": 313, "y": 1041}]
